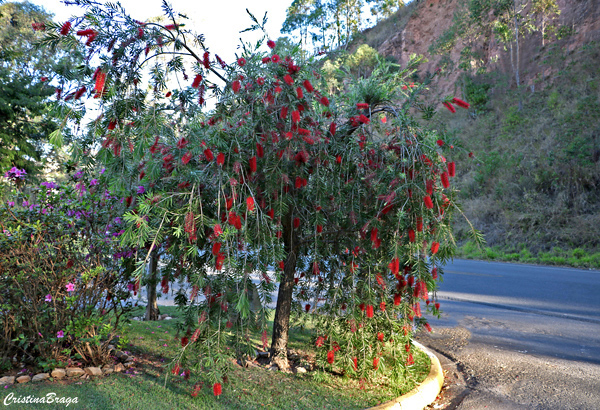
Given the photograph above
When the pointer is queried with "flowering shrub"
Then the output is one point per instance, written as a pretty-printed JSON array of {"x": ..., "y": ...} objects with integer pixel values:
[
  {"x": 345, "y": 201},
  {"x": 60, "y": 273}
]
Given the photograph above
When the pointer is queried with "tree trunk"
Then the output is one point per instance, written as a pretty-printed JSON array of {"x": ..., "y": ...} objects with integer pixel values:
[
  {"x": 152, "y": 311},
  {"x": 281, "y": 323}
]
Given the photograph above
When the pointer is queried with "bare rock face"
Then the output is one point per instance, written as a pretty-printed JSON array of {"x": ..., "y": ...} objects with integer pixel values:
[
  {"x": 7, "y": 380},
  {"x": 39, "y": 377},
  {"x": 23, "y": 379},
  {"x": 93, "y": 371},
  {"x": 74, "y": 372},
  {"x": 59, "y": 374}
]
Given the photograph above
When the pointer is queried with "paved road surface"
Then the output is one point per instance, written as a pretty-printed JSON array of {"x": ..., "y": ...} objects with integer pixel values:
[{"x": 527, "y": 336}]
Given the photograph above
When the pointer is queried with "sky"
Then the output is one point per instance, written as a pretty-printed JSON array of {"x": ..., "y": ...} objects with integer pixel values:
[{"x": 219, "y": 20}]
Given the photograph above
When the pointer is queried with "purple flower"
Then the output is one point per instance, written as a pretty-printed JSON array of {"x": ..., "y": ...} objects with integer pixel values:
[
  {"x": 5, "y": 232},
  {"x": 48, "y": 298},
  {"x": 25, "y": 204},
  {"x": 60, "y": 334},
  {"x": 11, "y": 203},
  {"x": 93, "y": 182},
  {"x": 78, "y": 174},
  {"x": 130, "y": 286},
  {"x": 50, "y": 185},
  {"x": 102, "y": 171},
  {"x": 141, "y": 189},
  {"x": 70, "y": 287},
  {"x": 15, "y": 173}
]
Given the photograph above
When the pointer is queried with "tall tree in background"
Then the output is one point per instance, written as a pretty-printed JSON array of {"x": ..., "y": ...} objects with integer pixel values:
[
  {"x": 27, "y": 80},
  {"x": 385, "y": 8}
]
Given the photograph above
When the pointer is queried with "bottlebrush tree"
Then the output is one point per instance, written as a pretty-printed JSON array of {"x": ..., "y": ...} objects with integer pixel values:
[{"x": 344, "y": 201}]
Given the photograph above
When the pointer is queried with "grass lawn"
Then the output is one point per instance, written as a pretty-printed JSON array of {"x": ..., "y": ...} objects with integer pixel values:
[{"x": 143, "y": 386}]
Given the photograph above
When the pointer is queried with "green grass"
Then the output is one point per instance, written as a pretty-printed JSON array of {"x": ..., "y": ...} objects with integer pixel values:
[
  {"x": 143, "y": 387},
  {"x": 577, "y": 258}
]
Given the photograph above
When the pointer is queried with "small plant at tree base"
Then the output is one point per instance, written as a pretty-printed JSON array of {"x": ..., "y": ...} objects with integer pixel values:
[{"x": 343, "y": 200}]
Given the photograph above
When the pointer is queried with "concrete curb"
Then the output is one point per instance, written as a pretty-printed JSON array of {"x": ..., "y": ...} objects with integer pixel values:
[{"x": 422, "y": 395}]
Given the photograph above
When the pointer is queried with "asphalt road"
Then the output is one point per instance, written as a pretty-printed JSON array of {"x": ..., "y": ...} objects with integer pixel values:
[{"x": 526, "y": 336}]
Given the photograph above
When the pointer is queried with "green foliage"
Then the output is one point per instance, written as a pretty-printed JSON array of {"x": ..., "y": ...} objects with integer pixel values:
[{"x": 59, "y": 274}]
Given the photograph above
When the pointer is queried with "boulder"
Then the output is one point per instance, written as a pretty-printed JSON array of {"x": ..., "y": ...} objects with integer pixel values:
[
  {"x": 58, "y": 373},
  {"x": 300, "y": 369},
  {"x": 7, "y": 380},
  {"x": 119, "y": 367},
  {"x": 93, "y": 371},
  {"x": 107, "y": 369},
  {"x": 39, "y": 377},
  {"x": 74, "y": 372},
  {"x": 23, "y": 379}
]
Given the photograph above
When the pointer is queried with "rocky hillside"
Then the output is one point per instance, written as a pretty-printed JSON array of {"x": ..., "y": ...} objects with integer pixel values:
[{"x": 535, "y": 180}]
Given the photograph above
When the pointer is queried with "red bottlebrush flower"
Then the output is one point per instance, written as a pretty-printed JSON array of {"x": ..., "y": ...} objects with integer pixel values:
[
  {"x": 355, "y": 363},
  {"x": 428, "y": 327},
  {"x": 308, "y": 86},
  {"x": 375, "y": 363},
  {"x": 301, "y": 157},
  {"x": 299, "y": 93},
  {"x": 275, "y": 58},
  {"x": 208, "y": 154},
  {"x": 260, "y": 151},
  {"x": 410, "y": 361},
  {"x": 271, "y": 44},
  {"x": 216, "y": 248},
  {"x": 338, "y": 159},
  {"x": 394, "y": 266},
  {"x": 236, "y": 86},
  {"x": 168, "y": 94},
  {"x": 100, "y": 80},
  {"x": 369, "y": 311},
  {"x": 434, "y": 273},
  {"x": 428, "y": 202},
  {"x": 284, "y": 112},
  {"x": 87, "y": 32},
  {"x": 380, "y": 336},
  {"x": 288, "y": 79},
  {"x": 411, "y": 235},
  {"x": 332, "y": 128},
  {"x": 452, "y": 169},
  {"x": 206, "y": 59},
  {"x": 397, "y": 299},
  {"x": 319, "y": 228},
  {"x": 266, "y": 60},
  {"x": 296, "y": 223},
  {"x": 325, "y": 101},
  {"x": 315, "y": 268},
  {"x": 260, "y": 81},
  {"x": 271, "y": 213},
  {"x": 461, "y": 103},
  {"x": 112, "y": 124},
  {"x": 171, "y": 26},
  {"x": 175, "y": 369},
  {"x": 330, "y": 356},
  {"x": 374, "y": 233},
  {"x": 470, "y": 155},
  {"x": 445, "y": 180},
  {"x": 220, "y": 159},
  {"x": 437, "y": 305},
  {"x": 80, "y": 92},
  {"x": 450, "y": 107},
  {"x": 362, "y": 106},
  {"x": 66, "y": 27},
  {"x": 186, "y": 157},
  {"x": 241, "y": 61},
  {"x": 382, "y": 306},
  {"x": 38, "y": 26},
  {"x": 217, "y": 390},
  {"x": 220, "y": 61},
  {"x": 252, "y": 164},
  {"x": 281, "y": 265},
  {"x": 429, "y": 186},
  {"x": 295, "y": 116},
  {"x": 440, "y": 143},
  {"x": 320, "y": 341},
  {"x": 197, "y": 81},
  {"x": 363, "y": 119},
  {"x": 307, "y": 307},
  {"x": 250, "y": 203},
  {"x": 308, "y": 140},
  {"x": 182, "y": 143},
  {"x": 435, "y": 247},
  {"x": 184, "y": 341},
  {"x": 419, "y": 224},
  {"x": 380, "y": 281},
  {"x": 217, "y": 230}
]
